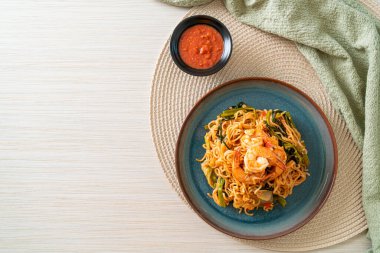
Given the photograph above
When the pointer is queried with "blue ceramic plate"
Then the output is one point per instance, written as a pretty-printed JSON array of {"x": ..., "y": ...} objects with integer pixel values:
[{"x": 307, "y": 198}]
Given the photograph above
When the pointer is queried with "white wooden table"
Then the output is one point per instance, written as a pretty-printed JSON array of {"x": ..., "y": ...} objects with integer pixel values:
[{"x": 78, "y": 170}]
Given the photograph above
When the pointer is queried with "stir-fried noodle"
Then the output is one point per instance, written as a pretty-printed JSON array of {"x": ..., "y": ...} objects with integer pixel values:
[{"x": 254, "y": 158}]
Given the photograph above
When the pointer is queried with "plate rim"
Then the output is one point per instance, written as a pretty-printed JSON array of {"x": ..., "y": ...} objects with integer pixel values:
[{"x": 296, "y": 226}]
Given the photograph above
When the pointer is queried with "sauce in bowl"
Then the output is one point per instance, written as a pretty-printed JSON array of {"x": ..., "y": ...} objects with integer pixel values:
[{"x": 201, "y": 46}]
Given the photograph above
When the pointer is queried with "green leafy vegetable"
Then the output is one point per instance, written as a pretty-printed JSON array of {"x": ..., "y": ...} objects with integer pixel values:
[
  {"x": 229, "y": 114},
  {"x": 289, "y": 119},
  {"x": 241, "y": 104},
  {"x": 219, "y": 134},
  {"x": 214, "y": 178},
  {"x": 281, "y": 200},
  {"x": 292, "y": 152},
  {"x": 220, "y": 131},
  {"x": 210, "y": 175},
  {"x": 220, "y": 185},
  {"x": 277, "y": 129}
]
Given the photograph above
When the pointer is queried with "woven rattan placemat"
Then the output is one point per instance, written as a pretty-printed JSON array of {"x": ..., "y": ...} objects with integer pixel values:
[{"x": 259, "y": 54}]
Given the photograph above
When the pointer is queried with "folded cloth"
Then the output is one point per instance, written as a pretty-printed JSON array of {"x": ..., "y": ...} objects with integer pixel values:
[{"x": 341, "y": 41}]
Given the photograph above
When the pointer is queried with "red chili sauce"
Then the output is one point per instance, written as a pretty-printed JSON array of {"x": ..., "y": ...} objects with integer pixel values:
[{"x": 200, "y": 46}]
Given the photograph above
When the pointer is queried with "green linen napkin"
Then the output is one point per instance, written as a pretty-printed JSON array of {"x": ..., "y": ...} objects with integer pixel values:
[{"x": 341, "y": 41}]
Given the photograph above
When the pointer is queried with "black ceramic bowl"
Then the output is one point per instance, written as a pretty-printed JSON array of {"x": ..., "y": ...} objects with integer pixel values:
[{"x": 197, "y": 20}]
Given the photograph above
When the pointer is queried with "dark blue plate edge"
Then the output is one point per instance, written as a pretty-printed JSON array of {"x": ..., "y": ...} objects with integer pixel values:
[{"x": 226, "y": 231}]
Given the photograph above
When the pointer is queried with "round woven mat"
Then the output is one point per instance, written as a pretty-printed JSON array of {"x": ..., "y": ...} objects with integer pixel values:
[{"x": 259, "y": 54}]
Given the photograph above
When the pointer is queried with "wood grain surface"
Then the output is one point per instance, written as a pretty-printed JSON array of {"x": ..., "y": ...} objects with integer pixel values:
[{"x": 78, "y": 169}]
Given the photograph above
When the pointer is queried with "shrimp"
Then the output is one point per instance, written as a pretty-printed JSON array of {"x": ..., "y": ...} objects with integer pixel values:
[
  {"x": 275, "y": 172},
  {"x": 265, "y": 158},
  {"x": 254, "y": 163},
  {"x": 238, "y": 172},
  {"x": 273, "y": 153},
  {"x": 277, "y": 160},
  {"x": 269, "y": 141}
]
